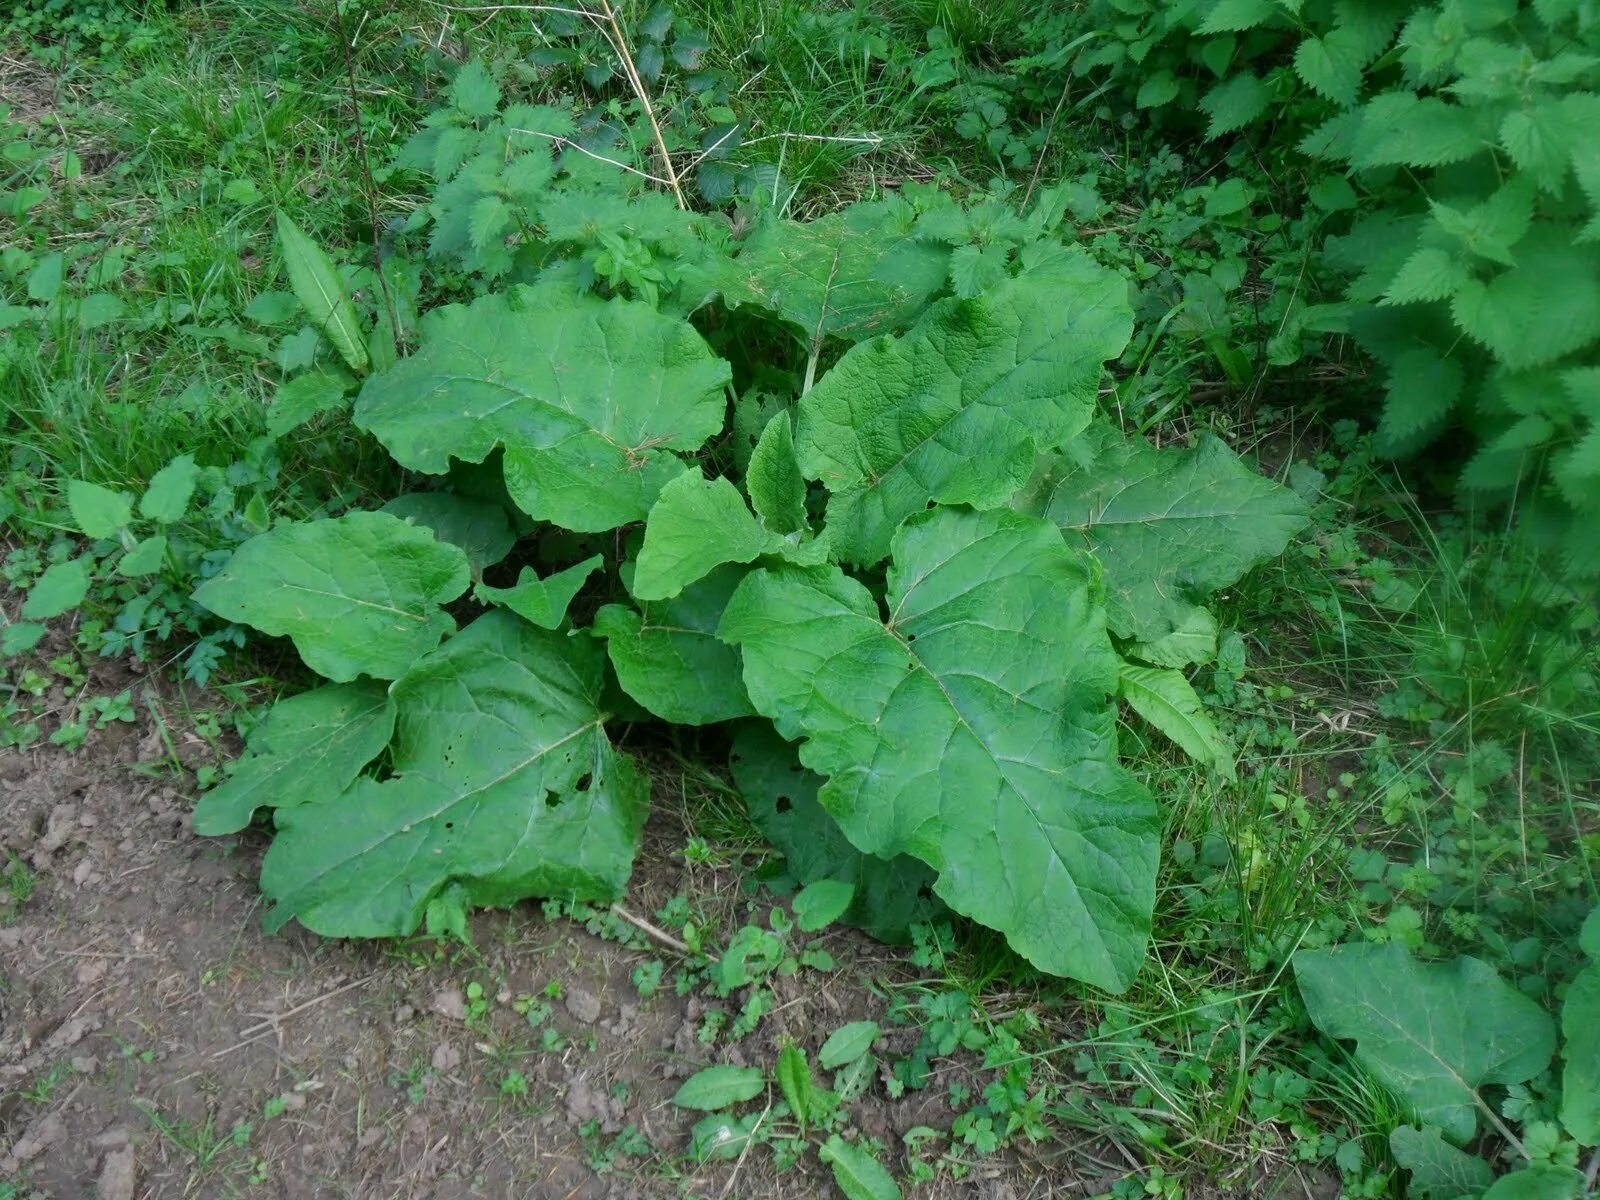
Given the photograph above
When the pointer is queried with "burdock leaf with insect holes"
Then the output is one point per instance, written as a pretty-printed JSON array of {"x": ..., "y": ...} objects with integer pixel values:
[
  {"x": 504, "y": 785},
  {"x": 1168, "y": 526},
  {"x": 890, "y": 894},
  {"x": 592, "y": 399},
  {"x": 358, "y": 595},
  {"x": 956, "y": 410},
  {"x": 309, "y": 749},
  {"x": 973, "y": 730},
  {"x": 1413, "y": 1032}
]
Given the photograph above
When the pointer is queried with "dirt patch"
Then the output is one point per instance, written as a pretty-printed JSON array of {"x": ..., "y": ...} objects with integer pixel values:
[
  {"x": 26, "y": 88},
  {"x": 154, "y": 1042}
]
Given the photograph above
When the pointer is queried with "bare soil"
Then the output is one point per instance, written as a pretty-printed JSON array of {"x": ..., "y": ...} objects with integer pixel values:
[{"x": 155, "y": 1043}]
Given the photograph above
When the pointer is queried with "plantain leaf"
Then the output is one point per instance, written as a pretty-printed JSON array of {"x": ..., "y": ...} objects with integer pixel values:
[
  {"x": 859, "y": 1175},
  {"x": 317, "y": 286},
  {"x": 1167, "y": 701},
  {"x": 719, "y": 1087}
]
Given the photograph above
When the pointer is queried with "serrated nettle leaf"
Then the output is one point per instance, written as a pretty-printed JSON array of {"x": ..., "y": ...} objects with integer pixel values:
[
  {"x": 719, "y": 1087},
  {"x": 859, "y": 1175},
  {"x": 1540, "y": 310},
  {"x": 776, "y": 486},
  {"x": 1168, "y": 526},
  {"x": 1166, "y": 700},
  {"x": 359, "y": 595},
  {"x": 822, "y": 903},
  {"x": 542, "y": 601},
  {"x": 308, "y": 750},
  {"x": 1234, "y": 103},
  {"x": 982, "y": 711},
  {"x": 97, "y": 511},
  {"x": 1414, "y": 1034},
  {"x": 321, "y": 293},
  {"x": 668, "y": 657},
  {"x": 591, "y": 399},
  {"x": 303, "y": 397},
  {"x": 956, "y": 411},
  {"x": 1404, "y": 129},
  {"x": 847, "y": 1043},
  {"x": 1432, "y": 273},
  {"x": 60, "y": 589},
  {"x": 19, "y": 637},
  {"x": 171, "y": 488},
  {"x": 1423, "y": 389},
  {"x": 1439, "y": 1171},
  {"x": 503, "y": 784},
  {"x": 144, "y": 557},
  {"x": 852, "y": 274}
]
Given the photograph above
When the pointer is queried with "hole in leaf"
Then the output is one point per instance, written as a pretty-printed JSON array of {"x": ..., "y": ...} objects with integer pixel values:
[
  {"x": 583, "y": 784},
  {"x": 552, "y": 799},
  {"x": 783, "y": 804}
]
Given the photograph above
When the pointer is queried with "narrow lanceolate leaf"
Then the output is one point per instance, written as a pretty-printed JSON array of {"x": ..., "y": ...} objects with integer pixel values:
[
  {"x": 307, "y": 751},
  {"x": 61, "y": 588},
  {"x": 541, "y": 601},
  {"x": 890, "y": 895},
  {"x": 317, "y": 285},
  {"x": 859, "y": 1175},
  {"x": 503, "y": 786},
  {"x": 591, "y": 399},
  {"x": 973, "y": 730},
  {"x": 98, "y": 512},
  {"x": 1168, "y": 526},
  {"x": 956, "y": 410},
  {"x": 794, "y": 1078},
  {"x": 1413, "y": 1032},
  {"x": 851, "y": 275},
  {"x": 359, "y": 595},
  {"x": 667, "y": 655},
  {"x": 1167, "y": 701},
  {"x": 719, "y": 1086},
  {"x": 777, "y": 489}
]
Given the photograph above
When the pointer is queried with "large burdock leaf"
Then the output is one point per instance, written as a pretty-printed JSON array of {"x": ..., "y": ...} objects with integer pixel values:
[
  {"x": 667, "y": 655},
  {"x": 590, "y": 398},
  {"x": 852, "y": 274},
  {"x": 890, "y": 894},
  {"x": 358, "y": 595},
  {"x": 504, "y": 786},
  {"x": 1169, "y": 526},
  {"x": 1433, "y": 1033},
  {"x": 973, "y": 730},
  {"x": 1438, "y": 1170},
  {"x": 308, "y": 750},
  {"x": 956, "y": 410},
  {"x": 1580, "y": 1029}
]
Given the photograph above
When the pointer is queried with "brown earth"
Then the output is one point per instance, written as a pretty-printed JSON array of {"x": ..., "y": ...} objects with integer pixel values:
[{"x": 145, "y": 1018}]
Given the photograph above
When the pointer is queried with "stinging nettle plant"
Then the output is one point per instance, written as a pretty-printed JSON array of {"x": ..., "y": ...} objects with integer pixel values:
[{"x": 912, "y": 569}]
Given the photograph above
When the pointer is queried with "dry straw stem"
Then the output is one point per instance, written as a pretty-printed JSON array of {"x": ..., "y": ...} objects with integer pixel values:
[{"x": 609, "y": 23}]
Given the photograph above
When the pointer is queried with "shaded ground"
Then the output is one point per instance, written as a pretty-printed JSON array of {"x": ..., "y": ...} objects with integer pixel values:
[{"x": 154, "y": 1042}]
